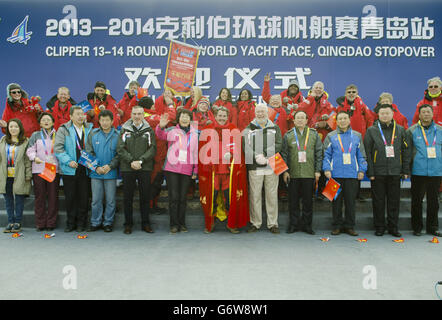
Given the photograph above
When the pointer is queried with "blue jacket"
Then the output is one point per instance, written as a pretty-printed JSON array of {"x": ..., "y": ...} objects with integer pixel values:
[
  {"x": 104, "y": 147},
  {"x": 333, "y": 159},
  {"x": 421, "y": 165},
  {"x": 65, "y": 146}
]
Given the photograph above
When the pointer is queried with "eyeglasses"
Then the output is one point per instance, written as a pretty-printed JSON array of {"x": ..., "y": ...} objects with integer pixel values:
[
  {"x": 433, "y": 87},
  {"x": 16, "y": 92},
  {"x": 351, "y": 92}
]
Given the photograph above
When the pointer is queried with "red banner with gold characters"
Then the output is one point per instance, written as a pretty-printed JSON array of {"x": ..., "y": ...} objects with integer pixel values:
[{"x": 181, "y": 68}]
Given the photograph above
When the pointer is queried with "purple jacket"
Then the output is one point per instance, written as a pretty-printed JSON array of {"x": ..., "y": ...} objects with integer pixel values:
[
  {"x": 182, "y": 143},
  {"x": 36, "y": 148}
]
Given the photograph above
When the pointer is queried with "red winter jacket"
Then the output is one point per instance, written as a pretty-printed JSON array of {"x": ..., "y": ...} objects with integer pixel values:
[
  {"x": 361, "y": 117},
  {"x": 125, "y": 105},
  {"x": 25, "y": 113},
  {"x": 246, "y": 113},
  {"x": 203, "y": 118},
  {"x": 161, "y": 107},
  {"x": 110, "y": 104},
  {"x": 61, "y": 116},
  {"x": 436, "y": 103},
  {"x": 281, "y": 120},
  {"x": 292, "y": 100},
  {"x": 233, "y": 111},
  {"x": 315, "y": 109},
  {"x": 397, "y": 116}
]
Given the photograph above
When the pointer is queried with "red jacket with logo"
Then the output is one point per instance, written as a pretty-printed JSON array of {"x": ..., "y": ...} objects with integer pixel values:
[
  {"x": 110, "y": 104},
  {"x": 436, "y": 103},
  {"x": 25, "y": 112},
  {"x": 246, "y": 113},
  {"x": 61, "y": 116},
  {"x": 292, "y": 100},
  {"x": 315, "y": 109},
  {"x": 360, "y": 116}
]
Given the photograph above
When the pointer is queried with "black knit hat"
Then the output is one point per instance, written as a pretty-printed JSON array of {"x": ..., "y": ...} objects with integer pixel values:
[
  {"x": 146, "y": 102},
  {"x": 100, "y": 84}
]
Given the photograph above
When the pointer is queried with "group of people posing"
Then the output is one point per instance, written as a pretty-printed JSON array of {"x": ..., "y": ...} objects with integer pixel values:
[{"x": 229, "y": 148}]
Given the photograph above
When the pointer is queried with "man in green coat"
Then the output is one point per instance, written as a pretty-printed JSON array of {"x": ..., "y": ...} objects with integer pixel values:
[{"x": 302, "y": 152}]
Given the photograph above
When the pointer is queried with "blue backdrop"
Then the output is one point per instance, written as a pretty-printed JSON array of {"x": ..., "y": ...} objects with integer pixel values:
[{"x": 117, "y": 41}]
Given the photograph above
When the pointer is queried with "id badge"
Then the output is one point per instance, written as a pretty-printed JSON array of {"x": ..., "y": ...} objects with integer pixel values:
[
  {"x": 11, "y": 172},
  {"x": 182, "y": 157},
  {"x": 302, "y": 156},
  {"x": 431, "y": 152},
  {"x": 346, "y": 158},
  {"x": 389, "y": 151}
]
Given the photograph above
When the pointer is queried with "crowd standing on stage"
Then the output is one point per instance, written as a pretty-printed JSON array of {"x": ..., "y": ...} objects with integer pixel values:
[{"x": 229, "y": 147}]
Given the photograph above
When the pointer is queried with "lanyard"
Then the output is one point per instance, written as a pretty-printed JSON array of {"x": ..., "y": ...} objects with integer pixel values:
[
  {"x": 383, "y": 137},
  {"x": 52, "y": 133},
  {"x": 342, "y": 147},
  {"x": 425, "y": 136},
  {"x": 306, "y": 139},
  {"x": 11, "y": 158},
  {"x": 188, "y": 140},
  {"x": 78, "y": 140}
]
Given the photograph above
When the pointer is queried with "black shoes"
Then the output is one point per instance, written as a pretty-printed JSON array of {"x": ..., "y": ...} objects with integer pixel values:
[
  {"x": 395, "y": 233},
  {"x": 107, "y": 228},
  {"x": 292, "y": 229},
  {"x": 435, "y": 233},
  {"x": 69, "y": 229},
  {"x": 379, "y": 233}
]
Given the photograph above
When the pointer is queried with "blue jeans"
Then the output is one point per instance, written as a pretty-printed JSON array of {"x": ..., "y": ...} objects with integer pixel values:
[
  {"x": 14, "y": 210},
  {"x": 99, "y": 187}
]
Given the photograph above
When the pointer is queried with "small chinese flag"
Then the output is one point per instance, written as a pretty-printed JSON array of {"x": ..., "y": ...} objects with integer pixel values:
[
  {"x": 324, "y": 239},
  {"x": 82, "y": 237},
  {"x": 331, "y": 189},
  {"x": 277, "y": 164},
  {"x": 362, "y": 240},
  {"x": 332, "y": 121},
  {"x": 17, "y": 235},
  {"x": 434, "y": 240},
  {"x": 142, "y": 92},
  {"x": 401, "y": 240},
  {"x": 49, "y": 172}
]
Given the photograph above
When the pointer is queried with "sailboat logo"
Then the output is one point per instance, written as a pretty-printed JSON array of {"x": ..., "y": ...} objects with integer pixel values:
[{"x": 21, "y": 33}]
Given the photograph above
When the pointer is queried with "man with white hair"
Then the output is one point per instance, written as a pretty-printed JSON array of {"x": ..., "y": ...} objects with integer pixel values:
[
  {"x": 262, "y": 139},
  {"x": 432, "y": 97}
]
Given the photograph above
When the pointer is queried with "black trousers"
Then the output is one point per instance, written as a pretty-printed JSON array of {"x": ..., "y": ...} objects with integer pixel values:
[
  {"x": 347, "y": 195},
  {"x": 301, "y": 189},
  {"x": 76, "y": 190},
  {"x": 129, "y": 185},
  {"x": 386, "y": 187},
  {"x": 177, "y": 185},
  {"x": 419, "y": 186}
]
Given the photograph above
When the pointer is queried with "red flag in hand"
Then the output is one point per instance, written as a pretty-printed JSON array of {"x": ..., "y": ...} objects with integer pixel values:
[
  {"x": 49, "y": 172},
  {"x": 331, "y": 189},
  {"x": 277, "y": 164},
  {"x": 142, "y": 92}
]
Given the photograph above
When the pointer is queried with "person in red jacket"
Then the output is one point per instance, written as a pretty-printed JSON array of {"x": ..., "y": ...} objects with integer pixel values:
[
  {"x": 318, "y": 109},
  {"x": 124, "y": 106},
  {"x": 387, "y": 98},
  {"x": 202, "y": 114},
  {"x": 360, "y": 115},
  {"x": 433, "y": 97},
  {"x": 195, "y": 95},
  {"x": 290, "y": 97},
  {"x": 224, "y": 175},
  {"x": 167, "y": 103},
  {"x": 100, "y": 100},
  {"x": 278, "y": 115},
  {"x": 225, "y": 100},
  {"x": 60, "y": 106},
  {"x": 246, "y": 109},
  {"x": 19, "y": 106}
]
